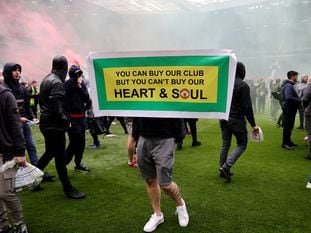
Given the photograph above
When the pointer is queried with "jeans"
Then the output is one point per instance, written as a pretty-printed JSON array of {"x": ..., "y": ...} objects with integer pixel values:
[
  {"x": 30, "y": 145},
  {"x": 236, "y": 127}
]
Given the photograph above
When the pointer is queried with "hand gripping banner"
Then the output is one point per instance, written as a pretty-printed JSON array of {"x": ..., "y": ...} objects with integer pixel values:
[{"x": 182, "y": 84}]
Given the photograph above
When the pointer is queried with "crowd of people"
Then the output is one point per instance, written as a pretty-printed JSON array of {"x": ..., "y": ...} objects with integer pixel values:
[
  {"x": 64, "y": 106},
  {"x": 290, "y": 96}
]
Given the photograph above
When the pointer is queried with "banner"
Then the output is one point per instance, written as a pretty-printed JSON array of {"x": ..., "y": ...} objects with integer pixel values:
[{"x": 183, "y": 84}]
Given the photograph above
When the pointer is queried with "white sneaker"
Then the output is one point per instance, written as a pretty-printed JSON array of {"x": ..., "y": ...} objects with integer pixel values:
[
  {"x": 183, "y": 216},
  {"x": 308, "y": 186},
  {"x": 153, "y": 222}
]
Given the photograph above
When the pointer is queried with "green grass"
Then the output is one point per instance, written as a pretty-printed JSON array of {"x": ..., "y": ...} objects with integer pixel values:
[{"x": 267, "y": 193}]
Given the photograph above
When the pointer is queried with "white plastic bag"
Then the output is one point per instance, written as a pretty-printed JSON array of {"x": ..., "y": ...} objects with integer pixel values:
[
  {"x": 26, "y": 178},
  {"x": 255, "y": 138}
]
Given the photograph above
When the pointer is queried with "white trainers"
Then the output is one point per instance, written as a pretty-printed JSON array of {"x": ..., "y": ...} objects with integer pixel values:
[
  {"x": 183, "y": 216},
  {"x": 153, "y": 222},
  {"x": 308, "y": 186}
]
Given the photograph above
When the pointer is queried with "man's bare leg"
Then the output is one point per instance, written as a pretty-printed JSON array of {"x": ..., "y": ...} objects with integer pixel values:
[
  {"x": 131, "y": 148},
  {"x": 172, "y": 190},
  {"x": 154, "y": 194}
]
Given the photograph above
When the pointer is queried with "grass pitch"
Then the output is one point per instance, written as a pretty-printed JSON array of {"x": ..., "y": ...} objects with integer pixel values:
[{"x": 267, "y": 192}]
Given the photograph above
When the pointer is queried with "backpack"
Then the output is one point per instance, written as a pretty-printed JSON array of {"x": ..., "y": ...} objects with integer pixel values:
[{"x": 277, "y": 93}]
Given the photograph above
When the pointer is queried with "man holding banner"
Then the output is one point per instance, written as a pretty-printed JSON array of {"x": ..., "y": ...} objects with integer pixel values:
[
  {"x": 155, "y": 152},
  {"x": 159, "y": 89}
]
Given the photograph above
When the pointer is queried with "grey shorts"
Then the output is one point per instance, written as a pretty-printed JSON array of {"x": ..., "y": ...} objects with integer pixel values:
[{"x": 156, "y": 158}]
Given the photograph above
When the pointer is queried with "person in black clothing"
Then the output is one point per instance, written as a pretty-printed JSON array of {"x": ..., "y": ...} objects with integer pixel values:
[
  {"x": 241, "y": 108},
  {"x": 290, "y": 104},
  {"x": 54, "y": 122},
  {"x": 76, "y": 102},
  {"x": 93, "y": 123},
  {"x": 192, "y": 122},
  {"x": 111, "y": 119},
  {"x": 12, "y": 146},
  {"x": 12, "y": 75}
]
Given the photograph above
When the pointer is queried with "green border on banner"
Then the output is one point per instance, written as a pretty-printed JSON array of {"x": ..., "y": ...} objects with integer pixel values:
[{"x": 223, "y": 68}]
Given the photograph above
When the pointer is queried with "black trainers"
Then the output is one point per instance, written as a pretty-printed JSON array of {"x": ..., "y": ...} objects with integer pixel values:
[
  {"x": 287, "y": 147},
  {"x": 225, "y": 173},
  {"x": 73, "y": 193},
  {"x": 47, "y": 177},
  {"x": 222, "y": 176},
  {"x": 20, "y": 228},
  {"x": 196, "y": 143},
  {"x": 293, "y": 144},
  {"x": 82, "y": 168}
]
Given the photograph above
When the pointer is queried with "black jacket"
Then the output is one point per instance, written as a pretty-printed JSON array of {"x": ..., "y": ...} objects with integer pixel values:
[
  {"x": 12, "y": 142},
  {"x": 77, "y": 98},
  {"x": 290, "y": 98},
  {"x": 51, "y": 98},
  {"x": 18, "y": 90},
  {"x": 241, "y": 104}
]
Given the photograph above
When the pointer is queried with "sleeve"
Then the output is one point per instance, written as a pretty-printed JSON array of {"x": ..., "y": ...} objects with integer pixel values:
[
  {"x": 247, "y": 105},
  {"x": 135, "y": 128},
  {"x": 179, "y": 129},
  {"x": 14, "y": 125},
  {"x": 57, "y": 101},
  {"x": 290, "y": 94},
  {"x": 28, "y": 110},
  {"x": 84, "y": 93}
]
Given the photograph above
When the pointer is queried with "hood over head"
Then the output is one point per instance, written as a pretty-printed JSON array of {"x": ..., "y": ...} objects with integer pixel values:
[
  {"x": 60, "y": 67},
  {"x": 7, "y": 72},
  {"x": 287, "y": 81},
  {"x": 240, "y": 70},
  {"x": 75, "y": 71}
]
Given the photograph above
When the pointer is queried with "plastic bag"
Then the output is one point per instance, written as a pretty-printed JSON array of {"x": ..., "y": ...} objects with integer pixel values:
[
  {"x": 26, "y": 178},
  {"x": 255, "y": 138}
]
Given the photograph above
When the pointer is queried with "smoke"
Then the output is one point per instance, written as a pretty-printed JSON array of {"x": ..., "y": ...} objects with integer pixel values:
[
  {"x": 32, "y": 38},
  {"x": 269, "y": 38}
]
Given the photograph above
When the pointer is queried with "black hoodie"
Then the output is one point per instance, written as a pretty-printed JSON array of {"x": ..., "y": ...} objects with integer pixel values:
[
  {"x": 12, "y": 142},
  {"x": 53, "y": 116},
  {"x": 18, "y": 90},
  {"x": 76, "y": 98},
  {"x": 241, "y": 104}
]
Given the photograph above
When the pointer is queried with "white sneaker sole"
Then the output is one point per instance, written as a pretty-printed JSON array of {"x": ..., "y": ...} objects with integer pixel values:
[{"x": 155, "y": 226}]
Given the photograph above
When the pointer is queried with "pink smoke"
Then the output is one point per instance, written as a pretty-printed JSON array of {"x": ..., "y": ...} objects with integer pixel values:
[{"x": 33, "y": 38}]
